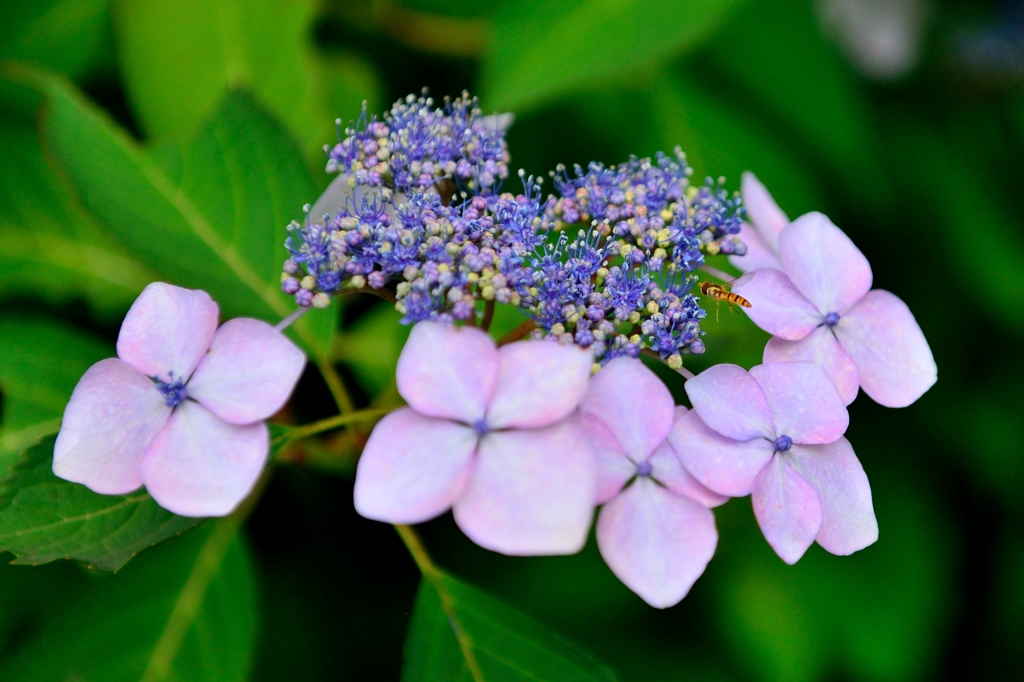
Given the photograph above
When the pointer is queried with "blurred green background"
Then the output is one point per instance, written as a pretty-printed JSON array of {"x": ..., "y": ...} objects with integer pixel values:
[{"x": 902, "y": 120}]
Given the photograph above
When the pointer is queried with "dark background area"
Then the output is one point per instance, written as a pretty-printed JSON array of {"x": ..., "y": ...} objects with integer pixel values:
[{"x": 903, "y": 121}]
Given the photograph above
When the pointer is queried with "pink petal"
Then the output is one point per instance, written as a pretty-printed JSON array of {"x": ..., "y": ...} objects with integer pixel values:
[
  {"x": 775, "y": 304},
  {"x": 634, "y": 403},
  {"x": 670, "y": 472},
  {"x": 821, "y": 348},
  {"x": 848, "y": 518},
  {"x": 763, "y": 210},
  {"x": 539, "y": 383},
  {"x": 112, "y": 416},
  {"x": 531, "y": 492},
  {"x": 413, "y": 467},
  {"x": 249, "y": 372},
  {"x": 787, "y": 509},
  {"x": 448, "y": 373},
  {"x": 730, "y": 401},
  {"x": 167, "y": 329},
  {"x": 656, "y": 542},
  {"x": 886, "y": 344},
  {"x": 805, "y": 405},
  {"x": 724, "y": 465},
  {"x": 759, "y": 253},
  {"x": 612, "y": 465},
  {"x": 199, "y": 465},
  {"x": 823, "y": 263}
]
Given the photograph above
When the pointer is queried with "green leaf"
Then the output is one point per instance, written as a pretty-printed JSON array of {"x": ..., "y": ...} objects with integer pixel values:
[
  {"x": 43, "y": 518},
  {"x": 184, "y": 611},
  {"x": 72, "y": 36},
  {"x": 49, "y": 247},
  {"x": 722, "y": 140},
  {"x": 218, "y": 230},
  {"x": 541, "y": 50},
  {"x": 833, "y": 612},
  {"x": 806, "y": 86},
  {"x": 459, "y": 633},
  {"x": 35, "y": 387},
  {"x": 265, "y": 46}
]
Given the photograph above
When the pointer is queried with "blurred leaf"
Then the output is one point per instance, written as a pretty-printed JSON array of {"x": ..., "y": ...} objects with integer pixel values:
[
  {"x": 48, "y": 246},
  {"x": 183, "y": 611},
  {"x": 720, "y": 140},
  {"x": 980, "y": 233},
  {"x": 71, "y": 36},
  {"x": 459, "y": 633},
  {"x": 223, "y": 229},
  {"x": 542, "y": 50},
  {"x": 875, "y": 615},
  {"x": 209, "y": 46},
  {"x": 43, "y": 518},
  {"x": 35, "y": 384},
  {"x": 777, "y": 53},
  {"x": 370, "y": 346}
]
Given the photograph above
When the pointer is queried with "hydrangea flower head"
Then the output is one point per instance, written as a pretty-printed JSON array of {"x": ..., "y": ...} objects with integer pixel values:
[
  {"x": 776, "y": 432},
  {"x": 490, "y": 433},
  {"x": 655, "y": 530},
  {"x": 820, "y": 307},
  {"x": 180, "y": 409},
  {"x": 761, "y": 234}
]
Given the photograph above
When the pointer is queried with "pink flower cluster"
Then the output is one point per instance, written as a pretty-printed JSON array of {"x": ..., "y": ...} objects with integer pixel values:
[
  {"x": 524, "y": 441},
  {"x": 522, "y": 446}
]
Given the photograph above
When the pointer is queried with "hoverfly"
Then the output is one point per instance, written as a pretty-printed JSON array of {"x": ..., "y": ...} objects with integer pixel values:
[{"x": 719, "y": 293}]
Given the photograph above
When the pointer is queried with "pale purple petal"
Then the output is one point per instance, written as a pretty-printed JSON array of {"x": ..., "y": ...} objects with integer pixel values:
[
  {"x": 848, "y": 519},
  {"x": 448, "y": 373},
  {"x": 730, "y": 401},
  {"x": 759, "y": 253},
  {"x": 113, "y": 414},
  {"x": 775, "y": 304},
  {"x": 821, "y": 348},
  {"x": 199, "y": 465},
  {"x": 634, "y": 403},
  {"x": 413, "y": 467},
  {"x": 823, "y": 264},
  {"x": 657, "y": 543},
  {"x": 539, "y": 383},
  {"x": 249, "y": 372},
  {"x": 787, "y": 509},
  {"x": 612, "y": 466},
  {"x": 724, "y": 465},
  {"x": 762, "y": 209},
  {"x": 886, "y": 344},
  {"x": 531, "y": 492},
  {"x": 805, "y": 405},
  {"x": 167, "y": 329},
  {"x": 670, "y": 472}
]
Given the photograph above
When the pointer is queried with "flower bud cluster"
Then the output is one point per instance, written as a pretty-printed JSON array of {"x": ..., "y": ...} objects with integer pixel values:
[
  {"x": 418, "y": 145},
  {"x": 605, "y": 264}
]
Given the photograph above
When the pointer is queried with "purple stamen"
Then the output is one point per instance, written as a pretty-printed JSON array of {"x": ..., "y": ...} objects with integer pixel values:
[
  {"x": 172, "y": 391},
  {"x": 783, "y": 443},
  {"x": 481, "y": 428},
  {"x": 644, "y": 469},
  {"x": 832, "y": 319}
]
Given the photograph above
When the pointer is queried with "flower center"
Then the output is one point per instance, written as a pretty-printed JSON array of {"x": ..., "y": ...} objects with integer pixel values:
[
  {"x": 783, "y": 443},
  {"x": 481, "y": 428},
  {"x": 172, "y": 391},
  {"x": 832, "y": 319},
  {"x": 644, "y": 469}
]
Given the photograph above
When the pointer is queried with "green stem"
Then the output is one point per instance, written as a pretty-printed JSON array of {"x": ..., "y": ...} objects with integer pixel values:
[
  {"x": 430, "y": 571},
  {"x": 307, "y": 430},
  {"x": 336, "y": 386}
]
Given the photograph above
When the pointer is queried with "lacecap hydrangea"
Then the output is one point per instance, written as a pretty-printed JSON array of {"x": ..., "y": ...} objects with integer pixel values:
[{"x": 421, "y": 214}]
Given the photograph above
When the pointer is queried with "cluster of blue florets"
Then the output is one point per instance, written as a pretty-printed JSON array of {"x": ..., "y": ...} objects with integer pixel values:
[{"x": 606, "y": 262}]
